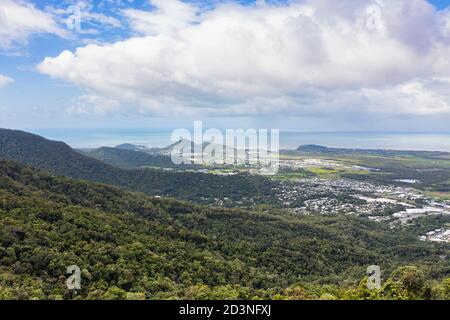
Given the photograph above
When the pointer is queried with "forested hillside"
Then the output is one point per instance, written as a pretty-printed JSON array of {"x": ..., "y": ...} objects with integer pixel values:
[
  {"x": 60, "y": 159},
  {"x": 129, "y": 159},
  {"x": 131, "y": 246}
]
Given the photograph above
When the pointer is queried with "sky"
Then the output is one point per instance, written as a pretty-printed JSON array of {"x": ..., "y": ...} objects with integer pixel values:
[{"x": 307, "y": 65}]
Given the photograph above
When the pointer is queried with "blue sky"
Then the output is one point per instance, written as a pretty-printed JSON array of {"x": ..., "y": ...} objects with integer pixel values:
[
  {"x": 440, "y": 4},
  {"x": 39, "y": 94}
]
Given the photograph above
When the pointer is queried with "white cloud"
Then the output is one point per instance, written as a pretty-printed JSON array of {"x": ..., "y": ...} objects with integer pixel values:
[
  {"x": 317, "y": 56},
  {"x": 87, "y": 15},
  {"x": 4, "y": 81},
  {"x": 425, "y": 97},
  {"x": 93, "y": 104},
  {"x": 19, "y": 20},
  {"x": 168, "y": 15}
]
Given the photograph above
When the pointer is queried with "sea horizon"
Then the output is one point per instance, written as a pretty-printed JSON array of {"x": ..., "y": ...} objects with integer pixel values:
[{"x": 289, "y": 139}]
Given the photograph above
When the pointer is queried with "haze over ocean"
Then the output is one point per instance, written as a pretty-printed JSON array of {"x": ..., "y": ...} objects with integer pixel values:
[{"x": 90, "y": 138}]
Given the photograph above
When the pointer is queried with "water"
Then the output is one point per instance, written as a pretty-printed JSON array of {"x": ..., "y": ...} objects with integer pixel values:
[
  {"x": 93, "y": 138},
  {"x": 90, "y": 138},
  {"x": 365, "y": 140}
]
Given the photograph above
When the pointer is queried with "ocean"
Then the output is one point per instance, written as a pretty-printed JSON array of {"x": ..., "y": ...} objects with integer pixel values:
[{"x": 91, "y": 138}]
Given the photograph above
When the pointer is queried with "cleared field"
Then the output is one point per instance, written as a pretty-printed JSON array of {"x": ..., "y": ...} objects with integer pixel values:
[{"x": 431, "y": 172}]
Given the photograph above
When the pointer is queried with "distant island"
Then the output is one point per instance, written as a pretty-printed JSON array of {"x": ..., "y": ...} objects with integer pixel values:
[{"x": 318, "y": 149}]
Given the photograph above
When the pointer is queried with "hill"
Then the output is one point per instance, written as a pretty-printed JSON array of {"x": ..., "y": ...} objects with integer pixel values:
[
  {"x": 53, "y": 156},
  {"x": 165, "y": 151},
  {"x": 133, "y": 147},
  {"x": 182, "y": 144},
  {"x": 60, "y": 159},
  {"x": 124, "y": 158},
  {"x": 130, "y": 246}
]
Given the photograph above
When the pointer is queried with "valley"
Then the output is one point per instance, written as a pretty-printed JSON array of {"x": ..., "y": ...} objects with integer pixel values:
[
  {"x": 320, "y": 180},
  {"x": 308, "y": 232}
]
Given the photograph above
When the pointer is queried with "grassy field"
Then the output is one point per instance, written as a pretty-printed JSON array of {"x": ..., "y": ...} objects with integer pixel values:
[
  {"x": 439, "y": 195},
  {"x": 432, "y": 172}
]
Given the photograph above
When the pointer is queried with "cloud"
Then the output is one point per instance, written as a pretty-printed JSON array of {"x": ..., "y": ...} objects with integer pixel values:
[
  {"x": 313, "y": 57},
  {"x": 426, "y": 97},
  {"x": 86, "y": 15},
  {"x": 93, "y": 104},
  {"x": 168, "y": 15},
  {"x": 19, "y": 20},
  {"x": 4, "y": 81}
]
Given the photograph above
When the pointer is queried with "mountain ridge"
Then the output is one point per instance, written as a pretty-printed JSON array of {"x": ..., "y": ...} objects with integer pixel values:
[
  {"x": 129, "y": 158},
  {"x": 60, "y": 159}
]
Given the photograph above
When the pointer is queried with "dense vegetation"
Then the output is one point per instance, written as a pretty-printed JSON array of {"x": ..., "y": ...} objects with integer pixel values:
[
  {"x": 58, "y": 158},
  {"x": 129, "y": 159},
  {"x": 131, "y": 246}
]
